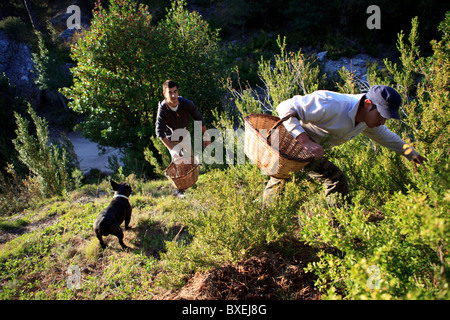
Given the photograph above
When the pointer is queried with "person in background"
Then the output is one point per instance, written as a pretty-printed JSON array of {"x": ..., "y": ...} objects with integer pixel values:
[{"x": 173, "y": 120}]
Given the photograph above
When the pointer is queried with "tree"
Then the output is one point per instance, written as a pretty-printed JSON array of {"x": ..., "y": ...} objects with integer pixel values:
[
  {"x": 122, "y": 62},
  {"x": 195, "y": 60},
  {"x": 49, "y": 163},
  {"x": 49, "y": 74}
]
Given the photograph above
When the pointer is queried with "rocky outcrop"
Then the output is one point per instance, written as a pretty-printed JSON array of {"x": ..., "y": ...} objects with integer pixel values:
[
  {"x": 59, "y": 20},
  {"x": 16, "y": 62},
  {"x": 357, "y": 65}
]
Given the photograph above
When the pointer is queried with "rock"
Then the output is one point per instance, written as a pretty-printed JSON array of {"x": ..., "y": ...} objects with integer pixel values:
[
  {"x": 322, "y": 55},
  {"x": 16, "y": 62},
  {"x": 357, "y": 65},
  {"x": 59, "y": 21}
]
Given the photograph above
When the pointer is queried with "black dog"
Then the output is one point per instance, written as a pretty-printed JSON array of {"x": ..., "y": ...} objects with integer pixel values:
[{"x": 110, "y": 219}]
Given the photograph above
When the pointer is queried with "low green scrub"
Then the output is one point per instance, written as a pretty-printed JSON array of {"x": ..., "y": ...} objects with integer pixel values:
[
  {"x": 50, "y": 164},
  {"x": 392, "y": 241},
  {"x": 393, "y": 251},
  {"x": 389, "y": 242}
]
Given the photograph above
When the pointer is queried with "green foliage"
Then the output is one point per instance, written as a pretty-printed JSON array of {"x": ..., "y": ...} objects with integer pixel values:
[
  {"x": 195, "y": 60},
  {"x": 391, "y": 242},
  {"x": 10, "y": 97},
  {"x": 349, "y": 83},
  {"x": 118, "y": 74},
  {"x": 122, "y": 62},
  {"x": 227, "y": 222},
  {"x": 404, "y": 78},
  {"x": 366, "y": 164},
  {"x": 49, "y": 74},
  {"x": 49, "y": 163},
  {"x": 161, "y": 165},
  {"x": 290, "y": 73},
  {"x": 195, "y": 63},
  {"x": 429, "y": 112},
  {"x": 394, "y": 251},
  {"x": 16, "y": 193},
  {"x": 16, "y": 29}
]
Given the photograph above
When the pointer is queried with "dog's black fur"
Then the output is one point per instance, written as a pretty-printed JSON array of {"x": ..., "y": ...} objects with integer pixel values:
[{"x": 110, "y": 219}]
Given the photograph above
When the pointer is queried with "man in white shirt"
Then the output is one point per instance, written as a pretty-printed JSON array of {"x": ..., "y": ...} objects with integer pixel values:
[{"x": 325, "y": 119}]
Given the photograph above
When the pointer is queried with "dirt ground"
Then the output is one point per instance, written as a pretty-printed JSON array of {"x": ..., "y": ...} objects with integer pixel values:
[{"x": 264, "y": 276}]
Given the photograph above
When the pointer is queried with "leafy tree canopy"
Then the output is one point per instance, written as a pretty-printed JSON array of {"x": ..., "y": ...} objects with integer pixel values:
[{"x": 122, "y": 61}]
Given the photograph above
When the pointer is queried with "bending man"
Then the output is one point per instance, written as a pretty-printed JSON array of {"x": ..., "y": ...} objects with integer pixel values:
[{"x": 328, "y": 119}]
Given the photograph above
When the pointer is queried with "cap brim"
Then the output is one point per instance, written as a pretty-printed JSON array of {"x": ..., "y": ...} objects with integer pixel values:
[{"x": 389, "y": 114}]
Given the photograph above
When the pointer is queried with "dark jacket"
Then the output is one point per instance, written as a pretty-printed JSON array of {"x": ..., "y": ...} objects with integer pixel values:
[{"x": 167, "y": 120}]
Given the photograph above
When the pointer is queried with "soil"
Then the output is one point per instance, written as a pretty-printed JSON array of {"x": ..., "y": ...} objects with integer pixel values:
[{"x": 264, "y": 276}]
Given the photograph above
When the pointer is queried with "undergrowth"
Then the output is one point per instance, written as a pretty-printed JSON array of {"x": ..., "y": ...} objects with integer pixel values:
[{"x": 389, "y": 242}]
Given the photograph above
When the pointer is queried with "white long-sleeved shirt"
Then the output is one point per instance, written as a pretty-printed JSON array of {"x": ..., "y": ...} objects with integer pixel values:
[{"x": 329, "y": 119}]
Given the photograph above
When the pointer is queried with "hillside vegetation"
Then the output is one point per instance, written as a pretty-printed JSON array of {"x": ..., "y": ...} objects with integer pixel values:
[{"x": 220, "y": 242}]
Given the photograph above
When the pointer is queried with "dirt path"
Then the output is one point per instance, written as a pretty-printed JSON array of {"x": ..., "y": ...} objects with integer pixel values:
[{"x": 88, "y": 152}]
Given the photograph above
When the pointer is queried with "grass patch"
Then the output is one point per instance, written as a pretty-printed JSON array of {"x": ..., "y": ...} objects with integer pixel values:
[
  {"x": 13, "y": 225},
  {"x": 181, "y": 248}
]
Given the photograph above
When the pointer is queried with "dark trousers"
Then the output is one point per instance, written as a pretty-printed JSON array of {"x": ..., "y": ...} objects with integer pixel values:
[{"x": 323, "y": 171}]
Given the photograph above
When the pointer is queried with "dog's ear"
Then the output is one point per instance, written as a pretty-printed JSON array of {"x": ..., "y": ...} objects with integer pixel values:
[{"x": 114, "y": 185}]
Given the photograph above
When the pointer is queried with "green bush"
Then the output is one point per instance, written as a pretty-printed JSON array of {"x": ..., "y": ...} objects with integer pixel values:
[
  {"x": 122, "y": 61},
  {"x": 398, "y": 250},
  {"x": 392, "y": 242},
  {"x": 49, "y": 163},
  {"x": 287, "y": 74},
  {"x": 227, "y": 222},
  {"x": 16, "y": 29},
  {"x": 9, "y": 96}
]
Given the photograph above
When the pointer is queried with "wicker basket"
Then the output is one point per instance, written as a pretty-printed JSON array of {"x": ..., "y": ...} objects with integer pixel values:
[
  {"x": 276, "y": 161},
  {"x": 183, "y": 172}
]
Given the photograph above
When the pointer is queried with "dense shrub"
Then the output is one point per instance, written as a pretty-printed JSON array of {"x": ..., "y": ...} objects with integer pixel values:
[
  {"x": 10, "y": 102},
  {"x": 227, "y": 221},
  {"x": 287, "y": 74},
  {"x": 16, "y": 29},
  {"x": 122, "y": 61},
  {"x": 49, "y": 163},
  {"x": 392, "y": 243}
]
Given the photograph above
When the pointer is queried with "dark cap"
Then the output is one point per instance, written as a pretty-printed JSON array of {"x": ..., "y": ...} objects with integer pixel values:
[{"x": 386, "y": 99}]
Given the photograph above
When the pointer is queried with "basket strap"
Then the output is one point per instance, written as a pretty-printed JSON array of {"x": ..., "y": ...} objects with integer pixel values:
[{"x": 279, "y": 122}]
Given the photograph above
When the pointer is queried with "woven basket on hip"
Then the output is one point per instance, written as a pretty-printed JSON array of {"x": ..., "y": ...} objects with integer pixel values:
[
  {"x": 272, "y": 148},
  {"x": 183, "y": 172}
]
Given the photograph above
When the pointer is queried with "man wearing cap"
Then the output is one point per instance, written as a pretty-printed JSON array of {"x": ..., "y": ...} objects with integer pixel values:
[{"x": 325, "y": 119}]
